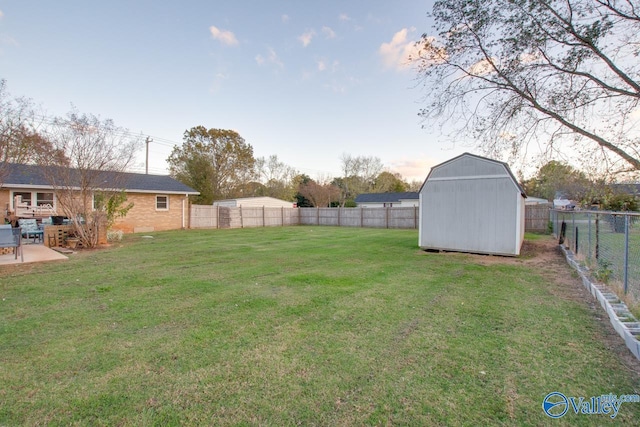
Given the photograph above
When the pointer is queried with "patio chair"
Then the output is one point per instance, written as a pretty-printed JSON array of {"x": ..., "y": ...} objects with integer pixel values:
[
  {"x": 11, "y": 238},
  {"x": 30, "y": 229}
]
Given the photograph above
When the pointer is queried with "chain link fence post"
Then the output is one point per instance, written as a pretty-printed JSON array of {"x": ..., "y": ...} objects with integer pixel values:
[{"x": 626, "y": 253}]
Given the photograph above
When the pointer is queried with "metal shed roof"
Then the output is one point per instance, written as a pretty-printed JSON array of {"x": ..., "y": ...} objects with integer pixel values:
[{"x": 505, "y": 165}]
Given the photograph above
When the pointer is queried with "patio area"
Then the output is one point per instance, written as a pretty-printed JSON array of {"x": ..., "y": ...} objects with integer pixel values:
[{"x": 33, "y": 253}]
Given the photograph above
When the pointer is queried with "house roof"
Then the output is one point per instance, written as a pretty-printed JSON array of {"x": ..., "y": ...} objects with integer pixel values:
[
  {"x": 33, "y": 176},
  {"x": 506, "y": 166},
  {"x": 386, "y": 197}
]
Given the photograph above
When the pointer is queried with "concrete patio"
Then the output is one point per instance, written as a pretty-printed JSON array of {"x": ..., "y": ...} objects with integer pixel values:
[{"x": 33, "y": 253}]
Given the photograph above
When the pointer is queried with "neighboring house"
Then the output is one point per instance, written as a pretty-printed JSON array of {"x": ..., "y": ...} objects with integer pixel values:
[
  {"x": 472, "y": 204},
  {"x": 254, "y": 202},
  {"x": 536, "y": 201},
  {"x": 388, "y": 200},
  {"x": 564, "y": 204},
  {"x": 159, "y": 201}
]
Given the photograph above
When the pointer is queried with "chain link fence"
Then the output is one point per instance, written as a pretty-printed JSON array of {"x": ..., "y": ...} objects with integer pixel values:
[{"x": 608, "y": 243}]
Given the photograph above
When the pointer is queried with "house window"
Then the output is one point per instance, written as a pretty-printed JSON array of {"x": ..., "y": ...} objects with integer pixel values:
[
  {"x": 26, "y": 197},
  {"x": 162, "y": 203},
  {"x": 44, "y": 199}
]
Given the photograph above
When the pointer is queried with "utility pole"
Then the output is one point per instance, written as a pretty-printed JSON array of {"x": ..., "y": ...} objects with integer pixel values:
[{"x": 146, "y": 171}]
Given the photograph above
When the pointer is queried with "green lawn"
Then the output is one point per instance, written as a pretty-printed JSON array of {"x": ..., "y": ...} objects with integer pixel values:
[{"x": 295, "y": 326}]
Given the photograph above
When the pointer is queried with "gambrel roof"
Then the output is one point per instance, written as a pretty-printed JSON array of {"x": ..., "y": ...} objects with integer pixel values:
[{"x": 444, "y": 165}]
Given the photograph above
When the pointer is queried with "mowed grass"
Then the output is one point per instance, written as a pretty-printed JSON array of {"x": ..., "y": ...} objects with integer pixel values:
[{"x": 295, "y": 326}]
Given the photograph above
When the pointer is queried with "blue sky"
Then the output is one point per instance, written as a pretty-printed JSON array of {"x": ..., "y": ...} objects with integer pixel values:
[{"x": 306, "y": 81}]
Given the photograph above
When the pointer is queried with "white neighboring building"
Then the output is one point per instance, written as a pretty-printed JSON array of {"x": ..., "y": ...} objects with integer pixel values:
[
  {"x": 536, "y": 201},
  {"x": 254, "y": 202}
]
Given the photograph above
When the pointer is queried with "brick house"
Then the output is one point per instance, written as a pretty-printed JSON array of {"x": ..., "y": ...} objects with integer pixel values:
[{"x": 159, "y": 201}]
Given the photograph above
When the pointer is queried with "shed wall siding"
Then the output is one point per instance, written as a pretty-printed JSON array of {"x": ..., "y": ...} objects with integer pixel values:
[
  {"x": 472, "y": 204},
  {"x": 462, "y": 215}
]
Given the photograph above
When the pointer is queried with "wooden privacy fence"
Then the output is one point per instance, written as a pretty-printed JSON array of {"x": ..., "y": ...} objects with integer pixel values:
[
  {"x": 205, "y": 216},
  {"x": 536, "y": 218},
  {"x": 361, "y": 217}
]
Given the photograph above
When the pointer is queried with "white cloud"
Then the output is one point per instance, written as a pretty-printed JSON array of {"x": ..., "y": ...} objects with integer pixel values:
[
  {"x": 344, "y": 17},
  {"x": 482, "y": 67},
  {"x": 8, "y": 41},
  {"x": 336, "y": 87},
  {"x": 399, "y": 50},
  {"x": 218, "y": 79},
  {"x": 326, "y": 65},
  {"x": 328, "y": 33},
  {"x": 306, "y": 37},
  {"x": 271, "y": 58},
  {"x": 1, "y": 14},
  {"x": 224, "y": 36},
  {"x": 285, "y": 18},
  {"x": 413, "y": 169}
]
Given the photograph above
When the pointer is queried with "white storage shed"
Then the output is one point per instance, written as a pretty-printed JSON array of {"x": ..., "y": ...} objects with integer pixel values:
[{"x": 472, "y": 204}]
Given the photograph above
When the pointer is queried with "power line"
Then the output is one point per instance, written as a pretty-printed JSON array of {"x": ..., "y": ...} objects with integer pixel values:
[
  {"x": 158, "y": 141},
  {"x": 120, "y": 131}
]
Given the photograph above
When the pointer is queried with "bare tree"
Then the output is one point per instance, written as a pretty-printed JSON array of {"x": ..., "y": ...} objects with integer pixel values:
[
  {"x": 359, "y": 175},
  {"x": 559, "y": 73},
  {"x": 20, "y": 141},
  {"x": 277, "y": 177},
  {"x": 91, "y": 176},
  {"x": 320, "y": 195}
]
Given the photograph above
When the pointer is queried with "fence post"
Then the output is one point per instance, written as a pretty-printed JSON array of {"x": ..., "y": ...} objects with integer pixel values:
[
  {"x": 626, "y": 253},
  {"x": 387, "y": 217},
  {"x": 415, "y": 217},
  {"x": 597, "y": 237},
  {"x": 589, "y": 238},
  {"x": 241, "y": 220},
  {"x": 573, "y": 226},
  {"x": 361, "y": 217}
]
